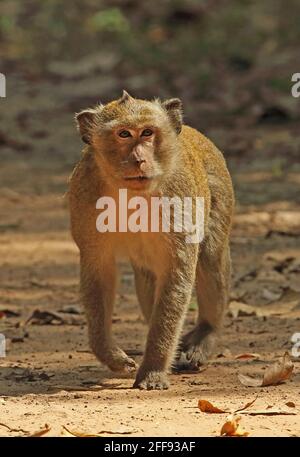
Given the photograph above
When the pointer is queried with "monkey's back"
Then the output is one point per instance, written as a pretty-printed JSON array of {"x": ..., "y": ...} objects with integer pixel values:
[
  {"x": 199, "y": 150},
  {"x": 201, "y": 155}
]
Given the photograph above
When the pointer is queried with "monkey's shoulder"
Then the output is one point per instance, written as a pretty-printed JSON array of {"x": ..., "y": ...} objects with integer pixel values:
[
  {"x": 206, "y": 163},
  {"x": 84, "y": 182},
  {"x": 197, "y": 143},
  {"x": 200, "y": 149}
]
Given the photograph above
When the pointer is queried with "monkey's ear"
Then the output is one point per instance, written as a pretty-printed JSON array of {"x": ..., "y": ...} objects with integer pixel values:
[
  {"x": 125, "y": 97},
  {"x": 85, "y": 121},
  {"x": 174, "y": 110}
]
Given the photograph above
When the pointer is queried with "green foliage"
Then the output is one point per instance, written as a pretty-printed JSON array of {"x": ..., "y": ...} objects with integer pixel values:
[
  {"x": 109, "y": 20},
  {"x": 186, "y": 43},
  {"x": 6, "y": 24},
  {"x": 278, "y": 167},
  {"x": 281, "y": 84}
]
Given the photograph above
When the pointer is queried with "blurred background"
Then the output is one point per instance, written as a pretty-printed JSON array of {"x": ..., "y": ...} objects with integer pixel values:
[{"x": 231, "y": 62}]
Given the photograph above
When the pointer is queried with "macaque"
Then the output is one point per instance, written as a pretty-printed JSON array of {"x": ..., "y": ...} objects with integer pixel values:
[{"x": 142, "y": 146}]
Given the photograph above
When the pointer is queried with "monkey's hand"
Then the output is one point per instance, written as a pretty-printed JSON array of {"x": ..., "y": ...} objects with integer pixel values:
[
  {"x": 151, "y": 380},
  {"x": 118, "y": 361}
]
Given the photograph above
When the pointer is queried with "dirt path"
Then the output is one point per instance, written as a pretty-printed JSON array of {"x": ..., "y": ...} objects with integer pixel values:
[{"x": 49, "y": 375}]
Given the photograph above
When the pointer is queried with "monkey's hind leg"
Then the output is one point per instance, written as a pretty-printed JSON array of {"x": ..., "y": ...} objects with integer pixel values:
[
  {"x": 212, "y": 287},
  {"x": 98, "y": 292},
  {"x": 145, "y": 289}
]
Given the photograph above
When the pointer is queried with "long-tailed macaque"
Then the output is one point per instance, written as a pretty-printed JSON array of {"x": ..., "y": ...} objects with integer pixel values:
[{"x": 142, "y": 146}]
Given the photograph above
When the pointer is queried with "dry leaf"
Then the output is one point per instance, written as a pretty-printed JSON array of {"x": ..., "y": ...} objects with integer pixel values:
[
  {"x": 87, "y": 388},
  {"x": 50, "y": 318},
  {"x": 207, "y": 407},
  {"x": 232, "y": 427},
  {"x": 237, "y": 309},
  {"x": 41, "y": 432},
  {"x": 71, "y": 309},
  {"x": 290, "y": 404},
  {"x": 79, "y": 434},
  {"x": 273, "y": 375},
  {"x": 9, "y": 313},
  {"x": 286, "y": 307},
  {"x": 246, "y": 405},
  {"x": 270, "y": 412},
  {"x": 94, "y": 435},
  {"x": 14, "y": 429},
  {"x": 272, "y": 296},
  {"x": 281, "y": 307},
  {"x": 248, "y": 355},
  {"x": 44, "y": 318}
]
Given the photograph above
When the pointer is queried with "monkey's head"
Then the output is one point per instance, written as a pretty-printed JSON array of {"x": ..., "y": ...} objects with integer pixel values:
[{"x": 134, "y": 141}]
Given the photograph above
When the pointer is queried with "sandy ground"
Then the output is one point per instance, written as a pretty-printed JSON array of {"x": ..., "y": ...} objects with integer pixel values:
[{"x": 49, "y": 376}]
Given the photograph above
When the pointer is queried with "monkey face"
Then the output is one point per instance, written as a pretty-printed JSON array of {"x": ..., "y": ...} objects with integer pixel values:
[
  {"x": 136, "y": 163},
  {"x": 134, "y": 141}
]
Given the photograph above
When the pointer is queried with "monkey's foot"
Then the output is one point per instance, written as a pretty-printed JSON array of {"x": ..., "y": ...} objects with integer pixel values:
[
  {"x": 195, "y": 349},
  {"x": 153, "y": 380},
  {"x": 119, "y": 362}
]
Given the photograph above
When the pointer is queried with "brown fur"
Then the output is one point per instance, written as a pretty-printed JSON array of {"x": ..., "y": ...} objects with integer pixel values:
[{"x": 184, "y": 163}]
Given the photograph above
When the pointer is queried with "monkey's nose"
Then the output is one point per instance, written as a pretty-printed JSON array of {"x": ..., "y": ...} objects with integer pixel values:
[{"x": 139, "y": 160}]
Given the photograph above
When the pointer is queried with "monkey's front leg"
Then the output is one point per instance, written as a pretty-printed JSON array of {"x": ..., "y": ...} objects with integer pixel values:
[
  {"x": 97, "y": 284},
  {"x": 166, "y": 323}
]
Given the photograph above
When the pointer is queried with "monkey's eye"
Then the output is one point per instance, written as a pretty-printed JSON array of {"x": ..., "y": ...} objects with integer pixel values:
[
  {"x": 147, "y": 132},
  {"x": 125, "y": 134}
]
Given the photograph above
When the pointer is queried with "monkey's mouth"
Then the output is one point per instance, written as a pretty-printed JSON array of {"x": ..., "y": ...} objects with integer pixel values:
[{"x": 137, "y": 178}]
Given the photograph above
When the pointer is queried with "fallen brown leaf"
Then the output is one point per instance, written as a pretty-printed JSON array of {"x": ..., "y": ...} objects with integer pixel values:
[
  {"x": 94, "y": 435},
  {"x": 237, "y": 309},
  {"x": 70, "y": 309},
  {"x": 275, "y": 374},
  {"x": 50, "y": 318},
  {"x": 248, "y": 355},
  {"x": 14, "y": 429},
  {"x": 9, "y": 313},
  {"x": 246, "y": 405},
  {"x": 232, "y": 427},
  {"x": 41, "y": 432},
  {"x": 270, "y": 412},
  {"x": 272, "y": 296},
  {"x": 206, "y": 407},
  {"x": 278, "y": 308},
  {"x": 44, "y": 318},
  {"x": 94, "y": 388}
]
